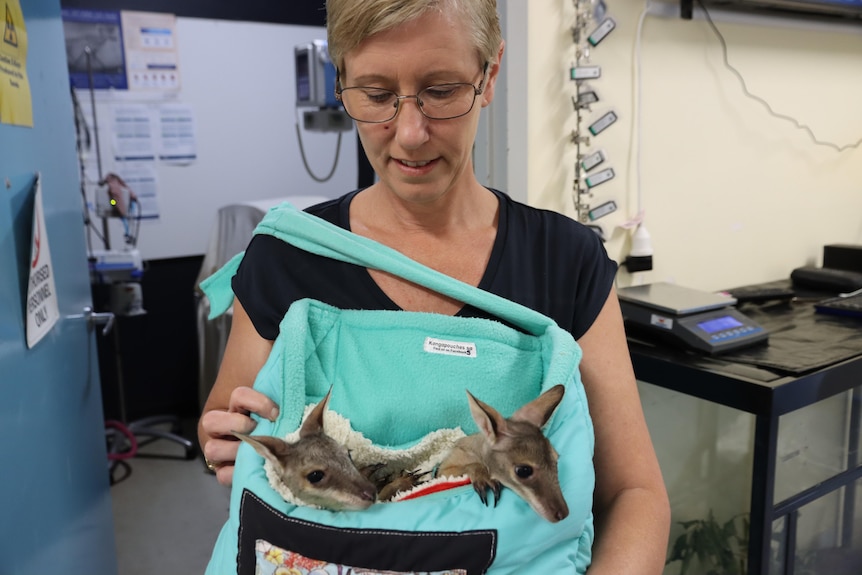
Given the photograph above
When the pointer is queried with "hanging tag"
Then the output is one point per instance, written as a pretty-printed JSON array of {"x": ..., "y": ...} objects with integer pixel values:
[{"x": 42, "y": 309}]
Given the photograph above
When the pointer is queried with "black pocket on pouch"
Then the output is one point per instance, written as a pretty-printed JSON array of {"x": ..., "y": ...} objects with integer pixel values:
[{"x": 266, "y": 531}]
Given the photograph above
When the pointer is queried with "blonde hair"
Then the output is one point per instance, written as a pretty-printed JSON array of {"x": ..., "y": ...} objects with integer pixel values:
[{"x": 350, "y": 22}]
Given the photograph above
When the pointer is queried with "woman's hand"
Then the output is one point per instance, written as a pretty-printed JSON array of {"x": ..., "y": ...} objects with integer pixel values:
[
  {"x": 232, "y": 398},
  {"x": 220, "y": 446}
]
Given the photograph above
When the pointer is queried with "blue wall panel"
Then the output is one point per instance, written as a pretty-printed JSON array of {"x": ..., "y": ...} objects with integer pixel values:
[{"x": 55, "y": 506}]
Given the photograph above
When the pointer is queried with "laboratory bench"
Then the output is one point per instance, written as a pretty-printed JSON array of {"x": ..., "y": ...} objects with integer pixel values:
[{"x": 795, "y": 402}]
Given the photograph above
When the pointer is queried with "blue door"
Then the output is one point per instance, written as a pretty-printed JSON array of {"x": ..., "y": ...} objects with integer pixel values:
[{"x": 55, "y": 505}]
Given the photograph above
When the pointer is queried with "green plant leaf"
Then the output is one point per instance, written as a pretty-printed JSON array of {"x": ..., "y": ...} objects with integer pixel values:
[
  {"x": 680, "y": 546},
  {"x": 719, "y": 548}
]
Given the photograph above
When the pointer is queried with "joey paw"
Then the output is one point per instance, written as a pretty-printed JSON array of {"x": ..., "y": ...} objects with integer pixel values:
[
  {"x": 481, "y": 486},
  {"x": 406, "y": 481}
]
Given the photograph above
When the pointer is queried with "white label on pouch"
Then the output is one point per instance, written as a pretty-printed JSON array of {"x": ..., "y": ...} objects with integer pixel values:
[{"x": 446, "y": 347}]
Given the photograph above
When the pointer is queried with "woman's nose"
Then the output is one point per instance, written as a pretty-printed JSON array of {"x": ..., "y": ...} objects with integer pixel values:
[{"x": 411, "y": 124}]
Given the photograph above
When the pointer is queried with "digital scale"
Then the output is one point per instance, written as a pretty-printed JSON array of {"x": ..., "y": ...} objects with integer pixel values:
[{"x": 696, "y": 319}]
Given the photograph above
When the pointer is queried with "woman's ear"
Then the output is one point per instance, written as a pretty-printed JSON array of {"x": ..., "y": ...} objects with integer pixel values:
[{"x": 493, "y": 73}]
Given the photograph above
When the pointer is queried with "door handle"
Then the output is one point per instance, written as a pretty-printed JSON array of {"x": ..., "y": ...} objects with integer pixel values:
[{"x": 96, "y": 318}]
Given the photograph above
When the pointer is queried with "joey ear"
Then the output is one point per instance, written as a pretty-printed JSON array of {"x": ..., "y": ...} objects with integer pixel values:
[
  {"x": 313, "y": 424},
  {"x": 270, "y": 448},
  {"x": 539, "y": 411},
  {"x": 489, "y": 420}
]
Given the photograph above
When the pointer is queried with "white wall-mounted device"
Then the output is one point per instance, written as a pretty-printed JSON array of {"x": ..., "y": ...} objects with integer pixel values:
[
  {"x": 315, "y": 88},
  {"x": 315, "y": 76}
]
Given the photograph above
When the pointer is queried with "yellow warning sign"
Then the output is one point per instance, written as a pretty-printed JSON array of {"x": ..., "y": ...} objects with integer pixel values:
[
  {"x": 9, "y": 34},
  {"x": 16, "y": 106}
]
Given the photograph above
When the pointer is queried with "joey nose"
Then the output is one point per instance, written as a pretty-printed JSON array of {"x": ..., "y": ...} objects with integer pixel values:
[{"x": 561, "y": 513}]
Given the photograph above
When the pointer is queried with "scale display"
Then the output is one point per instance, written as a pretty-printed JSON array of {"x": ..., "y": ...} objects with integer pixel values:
[
  {"x": 691, "y": 318},
  {"x": 719, "y": 324}
]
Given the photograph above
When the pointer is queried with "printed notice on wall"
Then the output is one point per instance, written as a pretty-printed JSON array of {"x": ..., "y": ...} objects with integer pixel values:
[
  {"x": 142, "y": 178},
  {"x": 42, "y": 308},
  {"x": 150, "y": 41},
  {"x": 16, "y": 105},
  {"x": 132, "y": 133},
  {"x": 94, "y": 49},
  {"x": 177, "y": 143}
]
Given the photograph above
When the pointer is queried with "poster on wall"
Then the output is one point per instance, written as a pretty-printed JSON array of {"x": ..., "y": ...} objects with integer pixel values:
[
  {"x": 133, "y": 132},
  {"x": 16, "y": 105},
  {"x": 141, "y": 179},
  {"x": 177, "y": 144},
  {"x": 42, "y": 308},
  {"x": 94, "y": 46},
  {"x": 122, "y": 50},
  {"x": 150, "y": 41}
]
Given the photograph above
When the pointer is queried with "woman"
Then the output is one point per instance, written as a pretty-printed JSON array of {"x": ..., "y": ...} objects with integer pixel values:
[{"x": 411, "y": 73}]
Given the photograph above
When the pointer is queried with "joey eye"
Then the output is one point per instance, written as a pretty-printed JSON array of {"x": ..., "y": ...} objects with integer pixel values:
[
  {"x": 523, "y": 471},
  {"x": 315, "y": 476}
]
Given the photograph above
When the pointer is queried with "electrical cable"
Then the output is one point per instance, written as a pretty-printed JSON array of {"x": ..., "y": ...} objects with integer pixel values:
[
  {"x": 636, "y": 131},
  {"x": 133, "y": 229},
  {"x": 138, "y": 215},
  {"x": 305, "y": 161},
  {"x": 640, "y": 252},
  {"x": 763, "y": 102},
  {"x": 119, "y": 464},
  {"x": 114, "y": 454},
  {"x": 80, "y": 121},
  {"x": 81, "y": 128}
]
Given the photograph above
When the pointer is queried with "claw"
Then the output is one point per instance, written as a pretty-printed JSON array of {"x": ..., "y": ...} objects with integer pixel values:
[
  {"x": 480, "y": 489},
  {"x": 497, "y": 488}
]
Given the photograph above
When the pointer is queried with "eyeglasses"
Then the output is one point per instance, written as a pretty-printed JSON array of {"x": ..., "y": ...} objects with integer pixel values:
[{"x": 440, "y": 102}]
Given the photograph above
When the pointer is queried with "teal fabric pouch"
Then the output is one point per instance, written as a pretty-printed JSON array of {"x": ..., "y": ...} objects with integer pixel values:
[{"x": 398, "y": 382}]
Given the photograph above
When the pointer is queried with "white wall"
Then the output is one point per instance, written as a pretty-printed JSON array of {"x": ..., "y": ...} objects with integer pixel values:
[
  {"x": 732, "y": 195},
  {"x": 239, "y": 79}
]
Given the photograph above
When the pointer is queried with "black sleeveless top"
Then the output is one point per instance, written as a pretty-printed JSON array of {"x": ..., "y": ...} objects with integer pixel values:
[{"x": 540, "y": 259}]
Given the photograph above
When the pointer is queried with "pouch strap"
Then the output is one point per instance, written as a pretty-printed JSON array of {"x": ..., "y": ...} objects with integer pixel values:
[{"x": 318, "y": 236}]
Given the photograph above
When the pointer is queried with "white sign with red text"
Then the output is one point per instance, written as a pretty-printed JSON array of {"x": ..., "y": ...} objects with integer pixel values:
[{"x": 42, "y": 309}]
